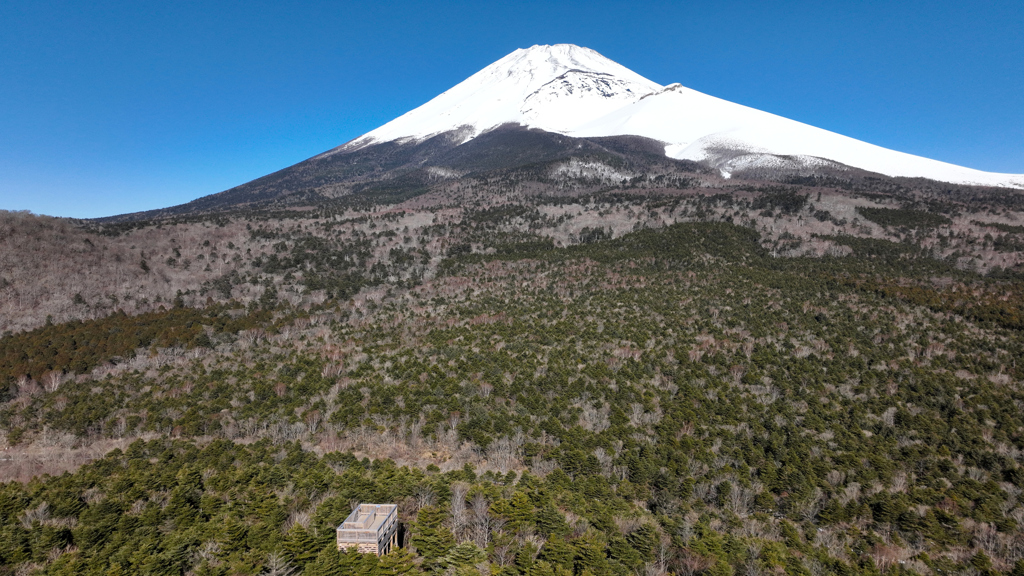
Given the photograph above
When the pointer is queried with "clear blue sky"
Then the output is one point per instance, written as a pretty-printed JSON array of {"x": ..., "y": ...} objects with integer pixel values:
[{"x": 112, "y": 107}]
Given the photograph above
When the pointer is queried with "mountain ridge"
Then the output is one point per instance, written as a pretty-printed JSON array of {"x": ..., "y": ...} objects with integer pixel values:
[
  {"x": 693, "y": 125},
  {"x": 572, "y": 94}
]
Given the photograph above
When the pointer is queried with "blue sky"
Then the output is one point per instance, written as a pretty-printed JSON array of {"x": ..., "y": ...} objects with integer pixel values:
[{"x": 112, "y": 107}]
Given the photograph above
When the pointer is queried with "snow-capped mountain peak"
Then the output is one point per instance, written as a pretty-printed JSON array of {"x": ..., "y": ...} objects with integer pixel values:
[
  {"x": 577, "y": 92},
  {"x": 554, "y": 88}
]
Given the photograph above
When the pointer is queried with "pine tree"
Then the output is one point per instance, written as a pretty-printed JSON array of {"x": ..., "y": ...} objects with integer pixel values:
[
  {"x": 300, "y": 546},
  {"x": 525, "y": 558},
  {"x": 396, "y": 563},
  {"x": 184, "y": 503},
  {"x": 644, "y": 540},
  {"x": 431, "y": 539},
  {"x": 542, "y": 568},
  {"x": 465, "y": 554},
  {"x": 590, "y": 556},
  {"x": 551, "y": 522},
  {"x": 234, "y": 535},
  {"x": 327, "y": 563},
  {"x": 331, "y": 562},
  {"x": 619, "y": 549},
  {"x": 520, "y": 509},
  {"x": 557, "y": 552}
]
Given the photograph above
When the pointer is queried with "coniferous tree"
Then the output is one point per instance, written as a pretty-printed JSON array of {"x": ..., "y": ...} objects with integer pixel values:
[
  {"x": 557, "y": 552},
  {"x": 551, "y": 522},
  {"x": 431, "y": 539},
  {"x": 397, "y": 562},
  {"x": 520, "y": 509},
  {"x": 590, "y": 555},
  {"x": 300, "y": 546},
  {"x": 462, "y": 555}
]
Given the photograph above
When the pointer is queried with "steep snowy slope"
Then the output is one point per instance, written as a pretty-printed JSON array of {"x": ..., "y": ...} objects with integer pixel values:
[
  {"x": 696, "y": 126},
  {"x": 555, "y": 88},
  {"x": 575, "y": 91}
]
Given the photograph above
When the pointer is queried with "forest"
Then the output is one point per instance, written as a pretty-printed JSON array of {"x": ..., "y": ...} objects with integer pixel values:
[{"x": 589, "y": 378}]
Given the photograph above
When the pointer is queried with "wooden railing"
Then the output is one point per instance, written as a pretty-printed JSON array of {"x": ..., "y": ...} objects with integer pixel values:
[{"x": 380, "y": 535}]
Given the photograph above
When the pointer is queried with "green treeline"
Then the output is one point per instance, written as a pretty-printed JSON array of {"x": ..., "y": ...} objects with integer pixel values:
[
  {"x": 903, "y": 217},
  {"x": 998, "y": 304},
  {"x": 78, "y": 346},
  {"x": 167, "y": 507}
]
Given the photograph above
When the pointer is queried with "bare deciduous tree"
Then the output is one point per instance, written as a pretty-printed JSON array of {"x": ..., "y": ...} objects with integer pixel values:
[
  {"x": 277, "y": 565},
  {"x": 690, "y": 563},
  {"x": 481, "y": 521},
  {"x": 460, "y": 517}
]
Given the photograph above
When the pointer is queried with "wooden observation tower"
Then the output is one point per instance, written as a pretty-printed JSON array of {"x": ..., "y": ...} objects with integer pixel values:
[{"x": 370, "y": 528}]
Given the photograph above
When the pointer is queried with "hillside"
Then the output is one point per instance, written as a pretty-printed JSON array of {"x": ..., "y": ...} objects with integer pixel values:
[
  {"x": 587, "y": 364},
  {"x": 561, "y": 349}
]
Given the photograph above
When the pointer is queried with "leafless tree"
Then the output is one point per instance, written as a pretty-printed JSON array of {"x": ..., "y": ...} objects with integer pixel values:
[
  {"x": 28, "y": 387},
  {"x": 252, "y": 336},
  {"x": 737, "y": 371},
  {"x": 752, "y": 567},
  {"x": 424, "y": 497},
  {"x": 690, "y": 563},
  {"x": 504, "y": 554},
  {"x": 504, "y": 452},
  {"x": 52, "y": 381},
  {"x": 835, "y": 478},
  {"x": 277, "y": 565},
  {"x": 481, "y": 521},
  {"x": 209, "y": 552},
  {"x": 705, "y": 491},
  {"x": 595, "y": 419},
  {"x": 741, "y": 499},
  {"x": 660, "y": 567},
  {"x": 40, "y": 514},
  {"x": 313, "y": 420},
  {"x": 885, "y": 556},
  {"x": 460, "y": 517},
  {"x": 331, "y": 370}
]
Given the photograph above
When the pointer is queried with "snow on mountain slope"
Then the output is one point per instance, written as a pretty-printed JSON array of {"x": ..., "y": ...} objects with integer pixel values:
[
  {"x": 555, "y": 88},
  {"x": 696, "y": 126},
  {"x": 577, "y": 92}
]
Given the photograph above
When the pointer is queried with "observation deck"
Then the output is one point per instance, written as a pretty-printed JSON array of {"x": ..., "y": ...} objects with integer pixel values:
[{"x": 370, "y": 528}]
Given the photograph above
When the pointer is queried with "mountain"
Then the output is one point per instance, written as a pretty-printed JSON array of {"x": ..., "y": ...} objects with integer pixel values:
[
  {"x": 562, "y": 102},
  {"x": 557, "y": 349},
  {"x": 577, "y": 92},
  {"x": 554, "y": 88}
]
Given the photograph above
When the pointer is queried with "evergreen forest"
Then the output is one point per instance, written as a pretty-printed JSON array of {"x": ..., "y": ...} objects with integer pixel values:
[{"x": 549, "y": 377}]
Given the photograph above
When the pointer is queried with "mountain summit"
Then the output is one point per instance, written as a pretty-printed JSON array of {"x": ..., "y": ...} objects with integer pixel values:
[
  {"x": 564, "y": 103},
  {"x": 577, "y": 92},
  {"x": 556, "y": 88}
]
